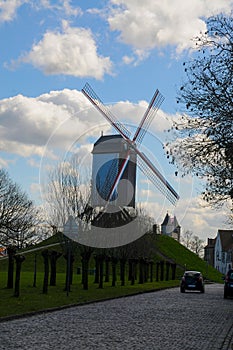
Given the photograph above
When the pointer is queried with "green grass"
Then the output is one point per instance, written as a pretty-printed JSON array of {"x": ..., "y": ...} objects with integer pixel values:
[{"x": 32, "y": 299}]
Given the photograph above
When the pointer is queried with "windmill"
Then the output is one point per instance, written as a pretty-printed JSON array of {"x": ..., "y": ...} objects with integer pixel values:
[{"x": 111, "y": 172}]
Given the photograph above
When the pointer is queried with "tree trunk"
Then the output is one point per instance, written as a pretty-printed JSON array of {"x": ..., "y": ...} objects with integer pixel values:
[
  {"x": 101, "y": 270},
  {"x": 174, "y": 271},
  {"x": 54, "y": 256},
  {"x": 122, "y": 267},
  {"x": 133, "y": 265},
  {"x": 85, "y": 266},
  {"x": 146, "y": 270},
  {"x": 19, "y": 259},
  {"x": 114, "y": 276},
  {"x": 167, "y": 270},
  {"x": 141, "y": 271},
  {"x": 11, "y": 251},
  {"x": 107, "y": 260},
  {"x": 151, "y": 270},
  {"x": 161, "y": 270},
  {"x": 69, "y": 270},
  {"x": 157, "y": 271},
  {"x": 45, "y": 254},
  {"x": 133, "y": 270},
  {"x": 35, "y": 268},
  {"x": 97, "y": 272},
  {"x": 130, "y": 263}
]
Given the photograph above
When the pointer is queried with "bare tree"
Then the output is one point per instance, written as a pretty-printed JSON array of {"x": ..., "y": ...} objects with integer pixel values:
[
  {"x": 68, "y": 192},
  {"x": 192, "y": 242},
  {"x": 144, "y": 217},
  {"x": 204, "y": 134},
  {"x": 18, "y": 216},
  {"x": 186, "y": 239},
  {"x": 197, "y": 246}
]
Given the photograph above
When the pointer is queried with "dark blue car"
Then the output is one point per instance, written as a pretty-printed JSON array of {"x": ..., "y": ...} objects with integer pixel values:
[{"x": 192, "y": 280}]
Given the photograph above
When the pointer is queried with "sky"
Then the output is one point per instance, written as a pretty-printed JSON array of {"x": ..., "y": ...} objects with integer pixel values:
[{"x": 125, "y": 50}]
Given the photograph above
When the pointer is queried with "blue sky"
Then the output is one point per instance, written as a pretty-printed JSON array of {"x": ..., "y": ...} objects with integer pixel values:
[{"x": 50, "y": 49}]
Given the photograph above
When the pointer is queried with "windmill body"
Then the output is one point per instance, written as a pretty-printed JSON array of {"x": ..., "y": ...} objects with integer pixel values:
[{"x": 109, "y": 154}]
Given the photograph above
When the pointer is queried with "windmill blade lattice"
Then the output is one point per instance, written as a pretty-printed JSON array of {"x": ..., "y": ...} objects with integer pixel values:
[
  {"x": 104, "y": 110},
  {"x": 123, "y": 164},
  {"x": 156, "y": 178},
  {"x": 149, "y": 115},
  {"x": 109, "y": 180}
]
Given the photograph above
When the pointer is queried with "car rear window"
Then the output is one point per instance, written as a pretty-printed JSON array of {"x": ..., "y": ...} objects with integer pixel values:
[{"x": 192, "y": 274}]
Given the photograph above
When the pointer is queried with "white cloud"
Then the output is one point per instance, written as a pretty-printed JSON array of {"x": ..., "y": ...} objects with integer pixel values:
[
  {"x": 202, "y": 220},
  {"x": 63, "y": 6},
  {"x": 132, "y": 113},
  {"x": 69, "y": 9},
  {"x": 55, "y": 122},
  {"x": 157, "y": 23},
  {"x": 146, "y": 193},
  {"x": 3, "y": 163},
  {"x": 70, "y": 52},
  {"x": 8, "y": 9},
  {"x": 27, "y": 125},
  {"x": 33, "y": 163},
  {"x": 35, "y": 188},
  {"x": 191, "y": 215},
  {"x": 127, "y": 59}
]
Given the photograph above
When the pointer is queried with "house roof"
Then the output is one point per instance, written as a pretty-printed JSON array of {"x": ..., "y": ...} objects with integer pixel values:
[
  {"x": 172, "y": 220},
  {"x": 166, "y": 220},
  {"x": 226, "y": 237}
]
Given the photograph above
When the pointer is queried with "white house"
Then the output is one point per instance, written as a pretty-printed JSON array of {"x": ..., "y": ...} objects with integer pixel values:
[{"x": 223, "y": 256}]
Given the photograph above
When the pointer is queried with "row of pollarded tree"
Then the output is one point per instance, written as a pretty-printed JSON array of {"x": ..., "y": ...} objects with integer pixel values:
[
  {"x": 141, "y": 269},
  {"x": 133, "y": 262},
  {"x": 137, "y": 259}
]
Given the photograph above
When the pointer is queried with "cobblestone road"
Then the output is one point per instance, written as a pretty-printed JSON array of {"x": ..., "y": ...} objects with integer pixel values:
[{"x": 164, "y": 320}]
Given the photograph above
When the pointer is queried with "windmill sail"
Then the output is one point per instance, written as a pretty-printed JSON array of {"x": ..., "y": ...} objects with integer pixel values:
[
  {"x": 122, "y": 166},
  {"x": 149, "y": 115},
  {"x": 104, "y": 110},
  {"x": 143, "y": 162},
  {"x": 156, "y": 178}
]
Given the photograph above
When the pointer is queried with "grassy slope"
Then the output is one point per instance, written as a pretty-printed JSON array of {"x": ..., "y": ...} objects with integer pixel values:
[{"x": 184, "y": 257}]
